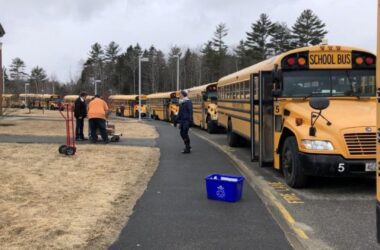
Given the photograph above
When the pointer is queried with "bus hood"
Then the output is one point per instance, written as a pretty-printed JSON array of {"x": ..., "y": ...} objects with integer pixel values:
[{"x": 343, "y": 114}]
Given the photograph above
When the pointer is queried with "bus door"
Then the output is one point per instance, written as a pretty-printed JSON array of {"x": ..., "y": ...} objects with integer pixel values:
[
  {"x": 261, "y": 118},
  {"x": 166, "y": 109},
  {"x": 203, "y": 122}
]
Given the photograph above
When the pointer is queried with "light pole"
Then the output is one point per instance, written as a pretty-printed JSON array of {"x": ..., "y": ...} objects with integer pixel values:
[
  {"x": 26, "y": 85},
  {"x": 2, "y": 33},
  {"x": 141, "y": 59},
  {"x": 96, "y": 86},
  {"x": 177, "y": 56}
]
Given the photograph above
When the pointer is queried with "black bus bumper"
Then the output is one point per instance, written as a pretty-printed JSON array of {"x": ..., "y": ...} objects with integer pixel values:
[{"x": 333, "y": 165}]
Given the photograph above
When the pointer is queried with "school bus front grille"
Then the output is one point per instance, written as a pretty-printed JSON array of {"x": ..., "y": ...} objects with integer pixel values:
[{"x": 361, "y": 143}]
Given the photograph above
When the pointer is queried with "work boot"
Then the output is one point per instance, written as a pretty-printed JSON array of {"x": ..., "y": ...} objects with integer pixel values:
[{"x": 187, "y": 150}]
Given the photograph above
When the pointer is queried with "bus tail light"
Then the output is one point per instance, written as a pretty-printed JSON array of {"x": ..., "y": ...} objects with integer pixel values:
[
  {"x": 369, "y": 60},
  {"x": 359, "y": 60},
  {"x": 291, "y": 61},
  {"x": 301, "y": 61},
  {"x": 299, "y": 121}
]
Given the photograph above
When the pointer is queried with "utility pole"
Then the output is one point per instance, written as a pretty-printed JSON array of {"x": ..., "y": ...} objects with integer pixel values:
[
  {"x": 177, "y": 56},
  {"x": 141, "y": 59}
]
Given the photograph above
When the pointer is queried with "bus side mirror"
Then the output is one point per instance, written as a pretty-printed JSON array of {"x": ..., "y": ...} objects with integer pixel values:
[
  {"x": 318, "y": 103},
  {"x": 204, "y": 96}
]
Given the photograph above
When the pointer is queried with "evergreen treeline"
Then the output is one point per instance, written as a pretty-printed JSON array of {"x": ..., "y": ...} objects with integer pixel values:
[{"x": 117, "y": 69}]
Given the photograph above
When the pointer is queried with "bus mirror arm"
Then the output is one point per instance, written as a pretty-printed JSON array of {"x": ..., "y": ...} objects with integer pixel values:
[{"x": 314, "y": 117}]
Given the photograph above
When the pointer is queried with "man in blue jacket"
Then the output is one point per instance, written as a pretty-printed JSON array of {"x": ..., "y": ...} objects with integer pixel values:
[
  {"x": 80, "y": 112},
  {"x": 185, "y": 119}
]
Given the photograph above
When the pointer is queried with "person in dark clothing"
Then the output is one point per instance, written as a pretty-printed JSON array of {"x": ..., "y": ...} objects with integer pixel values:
[
  {"x": 185, "y": 119},
  {"x": 80, "y": 112}
]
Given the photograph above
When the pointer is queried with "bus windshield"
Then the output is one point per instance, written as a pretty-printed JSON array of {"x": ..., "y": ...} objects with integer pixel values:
[
  {"x": 174, "y": 100},
  {"x": 143, "y": 102},
  {"x": 212, "y": 96},
  {"x": 329, "y": 83}
]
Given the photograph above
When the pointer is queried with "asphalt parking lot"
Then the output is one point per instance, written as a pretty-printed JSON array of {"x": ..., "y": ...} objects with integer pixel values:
[{"x": 332, "y": 213}]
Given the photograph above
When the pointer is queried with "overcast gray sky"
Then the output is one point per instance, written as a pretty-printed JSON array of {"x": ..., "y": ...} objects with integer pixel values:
[{"x": 57, "y": 34}]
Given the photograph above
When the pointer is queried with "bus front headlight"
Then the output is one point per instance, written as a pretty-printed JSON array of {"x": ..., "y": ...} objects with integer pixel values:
[{"x": 317, "y": 145}]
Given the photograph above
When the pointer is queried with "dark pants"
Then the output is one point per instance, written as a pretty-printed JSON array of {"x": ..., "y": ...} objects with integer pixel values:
[
  {"x": 79, "y": 128},
  {"x": 184, "y": 132},
  {"x": 98, "y": 123}
]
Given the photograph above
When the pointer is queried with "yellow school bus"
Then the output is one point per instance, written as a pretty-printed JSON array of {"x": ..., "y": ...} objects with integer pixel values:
[
  {"x": 127, "y": 105},
  {"x": 204, "y": 100},
  {"x": 309, "y": 112},
  {"x": 163, "y": 106},
  {"x": 51, "y": 101},
  {"x": 72, "y": 98},
  {"x": 29, "y": 100},
  {"x": 9, "y": 101},
  {"x": 41, "y": 101}
]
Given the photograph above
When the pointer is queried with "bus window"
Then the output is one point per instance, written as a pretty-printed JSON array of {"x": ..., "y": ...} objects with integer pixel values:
[
  {"x": 363, "y": 82},
  {"x": 329, "y": 83}
]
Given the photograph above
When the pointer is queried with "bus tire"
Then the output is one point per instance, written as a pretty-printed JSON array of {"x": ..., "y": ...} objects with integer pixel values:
[
  {"x": 232, "y": 138},
  {"x": 291, "y": 165},
  {"x": 210, "y": 125}
]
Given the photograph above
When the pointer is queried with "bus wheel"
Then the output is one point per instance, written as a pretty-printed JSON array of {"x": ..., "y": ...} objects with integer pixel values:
[
  {"x": 210, "y": 126},
  {"x": 291, "y": 165},
  {"x": 232, "y": 138}
]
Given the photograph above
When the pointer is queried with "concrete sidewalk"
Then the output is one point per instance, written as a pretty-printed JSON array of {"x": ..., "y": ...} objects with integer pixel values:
[
  {"x": 62, "y": 140},
  {"x": 174, "y": 212}
]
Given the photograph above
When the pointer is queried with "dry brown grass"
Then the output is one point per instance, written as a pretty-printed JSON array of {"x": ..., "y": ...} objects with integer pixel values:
[
  {"x": 49, "y": 201},
  {"x": 52, "y": 124}
]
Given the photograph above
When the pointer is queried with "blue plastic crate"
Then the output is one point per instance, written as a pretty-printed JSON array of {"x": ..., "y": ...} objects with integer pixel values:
[{"x": 224, "y": 187}]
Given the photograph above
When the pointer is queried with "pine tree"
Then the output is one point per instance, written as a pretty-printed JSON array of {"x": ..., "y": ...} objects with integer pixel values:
[
  {"x": 132, "y": 62},
  {"x": 96, "y": 54},
  {"x": 208, "y": 64},
  {"x": 17, "y": 69},
  {"x": 161, "y": 70},
  {"x": 242, "y": 56},
  {"x": 282, "y": 39},
  {"x": 258, "y": 39},
  {"x": 215, "y": 52},
  {"x": 111, "y": 54},
  {"x": 308, "y": 29},
  {"x": 217, "y": 41},
  {"x": 38, "y": 78}
]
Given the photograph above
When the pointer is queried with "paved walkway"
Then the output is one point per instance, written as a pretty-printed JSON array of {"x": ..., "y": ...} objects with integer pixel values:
[{"x": 174, "y": 212}]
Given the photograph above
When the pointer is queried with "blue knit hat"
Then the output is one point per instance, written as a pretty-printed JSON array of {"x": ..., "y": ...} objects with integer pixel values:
[{"x": 184, "y": 92}]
